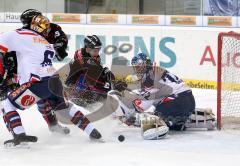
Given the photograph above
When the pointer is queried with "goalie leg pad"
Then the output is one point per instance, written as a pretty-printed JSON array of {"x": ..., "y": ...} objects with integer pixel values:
[
  {"x": 153, "y": 127},
  {"x": 201, "y": 118}
]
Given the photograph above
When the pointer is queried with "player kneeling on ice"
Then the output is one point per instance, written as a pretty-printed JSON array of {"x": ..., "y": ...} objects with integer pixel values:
[
  {"x": 87, "y": 82},
  {"x": 160, "y": 101},
  {"x": 37, "y": 80}
]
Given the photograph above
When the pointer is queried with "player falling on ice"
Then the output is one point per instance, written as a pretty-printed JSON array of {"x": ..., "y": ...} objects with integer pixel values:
[
  {"x": 34, "y": 62},
  {"x": 161, "y": 101}
]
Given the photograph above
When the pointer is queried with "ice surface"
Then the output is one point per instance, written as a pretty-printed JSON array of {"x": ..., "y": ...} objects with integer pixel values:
[{"x": 193, "y": 148}]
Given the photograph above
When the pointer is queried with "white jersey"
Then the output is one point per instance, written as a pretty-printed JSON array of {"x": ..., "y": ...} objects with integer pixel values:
[
  {"x": 34, "y": 53},
  {"x": 153, "y": 86}
]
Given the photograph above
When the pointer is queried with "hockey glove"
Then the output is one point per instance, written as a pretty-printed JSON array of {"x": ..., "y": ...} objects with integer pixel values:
[
  {"x": 120, "y": 86},
  {"x": 107, "y": 75},
  {"x": 10, "y": 62},
  {"x": 60, "y": 47},
  {"x": 61, "y": 54}
]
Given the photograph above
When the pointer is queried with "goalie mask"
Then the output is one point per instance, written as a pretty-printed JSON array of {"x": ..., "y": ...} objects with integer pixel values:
[
  {"x": 40, "y": 24},
  {"x": 141, "y": 64}
]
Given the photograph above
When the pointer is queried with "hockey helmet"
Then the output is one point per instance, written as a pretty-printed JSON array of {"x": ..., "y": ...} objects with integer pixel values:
[
  {"x": 141, "y": 63},
  {"x": 92, "y": 42},
  {"x": 27, "y": 15}
]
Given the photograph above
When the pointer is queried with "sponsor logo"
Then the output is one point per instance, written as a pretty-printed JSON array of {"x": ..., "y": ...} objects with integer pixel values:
[
  {"x": 145, "y": 20},
  {"x": 40, "y": 40},
  {"x": 103, "y": 19},
  {"x": 27, "y": 100},
  {"x": 20, "y": 90},
  {"x": 219, "y": 21},
  {"x": 12, "y": 17},
  {"x": 183, "y": 20},
  {"x": 58, "y": 17}
]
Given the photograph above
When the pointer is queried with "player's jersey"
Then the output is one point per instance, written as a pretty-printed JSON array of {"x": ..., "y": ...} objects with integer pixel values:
[
  {"x": 34, "y": 53},
  {"x": 154, "y": 86},
  {"x": 162, "y": 82}
]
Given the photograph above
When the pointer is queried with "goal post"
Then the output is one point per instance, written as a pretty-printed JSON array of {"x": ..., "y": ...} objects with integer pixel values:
[{"x": 228, "y": 81}]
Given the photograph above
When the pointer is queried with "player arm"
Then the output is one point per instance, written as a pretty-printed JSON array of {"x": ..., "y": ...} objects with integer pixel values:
[{"x": 61, "y": 42}]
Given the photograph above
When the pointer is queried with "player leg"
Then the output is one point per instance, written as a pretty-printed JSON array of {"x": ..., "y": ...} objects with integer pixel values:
[
  {"x": 201, "y": 119},
  {"x": 176, "y": 109},
  {"x": 152, "y": 126},
  {"x": 13, "y": 123},
  {"x": 69, "y": 111},
  {"x": 21, "y": 98},
  {"x": 45, "y": 108}
]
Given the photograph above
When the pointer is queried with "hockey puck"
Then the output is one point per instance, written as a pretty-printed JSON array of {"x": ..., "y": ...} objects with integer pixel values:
[{"x": 121, "y": 138}]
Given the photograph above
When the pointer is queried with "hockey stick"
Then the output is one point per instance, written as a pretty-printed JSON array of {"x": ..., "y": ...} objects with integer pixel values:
[
  {"x": 142, "y": 97},
  {"x": 2, "y": 82}
]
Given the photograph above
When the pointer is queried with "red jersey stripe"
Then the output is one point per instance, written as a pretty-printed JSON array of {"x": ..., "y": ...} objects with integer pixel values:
[
  {"x": 26, "y": 33},
  {"x": 4, "y": 49}
]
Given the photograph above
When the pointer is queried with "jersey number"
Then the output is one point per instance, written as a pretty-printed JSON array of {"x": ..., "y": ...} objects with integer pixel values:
[
  {"x": 48, "y": 56},
  {"x": 170, "y": 77}
]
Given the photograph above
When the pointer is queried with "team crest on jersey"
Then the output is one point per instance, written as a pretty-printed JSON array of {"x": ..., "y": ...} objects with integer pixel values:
[{"x": 27, "y": 100}]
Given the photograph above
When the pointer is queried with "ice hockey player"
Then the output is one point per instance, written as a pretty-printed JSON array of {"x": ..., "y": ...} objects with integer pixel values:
[
  {"x": 91, "y": 80},
  {"x": 161, "y": 99},
  {"x": 34, "y": 62},
  {"x": 59, "y": 40},
  {"x": 55, "y": 34}
]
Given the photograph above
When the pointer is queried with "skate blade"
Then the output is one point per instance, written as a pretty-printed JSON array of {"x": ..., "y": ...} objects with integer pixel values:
[
  {"x": 98, "y": 140},
  {"x": 22, "y": 145}
]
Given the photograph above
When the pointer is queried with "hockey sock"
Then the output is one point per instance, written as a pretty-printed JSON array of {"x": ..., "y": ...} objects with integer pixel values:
[
  {"x": 80, "y": 120},
  {"x": 45, "y": 109},
  {"x": 13, "y": 122}
]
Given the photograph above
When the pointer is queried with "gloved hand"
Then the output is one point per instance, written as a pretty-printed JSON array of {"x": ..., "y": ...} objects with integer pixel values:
[
  {"x": 61, "y": 42},
  {"x": 60, "y": 47},
  {"x": 107, "y": 75},
  {"x": 120, "y": 86},
  {"x": 9, "y": 62},
  {"x": 61, "y": 54}
]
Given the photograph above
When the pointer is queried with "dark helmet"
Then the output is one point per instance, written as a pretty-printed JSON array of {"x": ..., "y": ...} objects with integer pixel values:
[
  {"x": 27, "y": 15},
  {"x": 92, "y": 42}
]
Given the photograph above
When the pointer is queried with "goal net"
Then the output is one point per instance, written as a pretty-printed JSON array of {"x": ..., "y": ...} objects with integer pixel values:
[{"x": 228, "y": 89}]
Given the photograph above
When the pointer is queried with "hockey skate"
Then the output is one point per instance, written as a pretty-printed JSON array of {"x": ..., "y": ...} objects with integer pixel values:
[
  {"x": 20, "y": 140},
  {"x": 96, "y": 136},
  {"x": 57, "y": 128}
]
